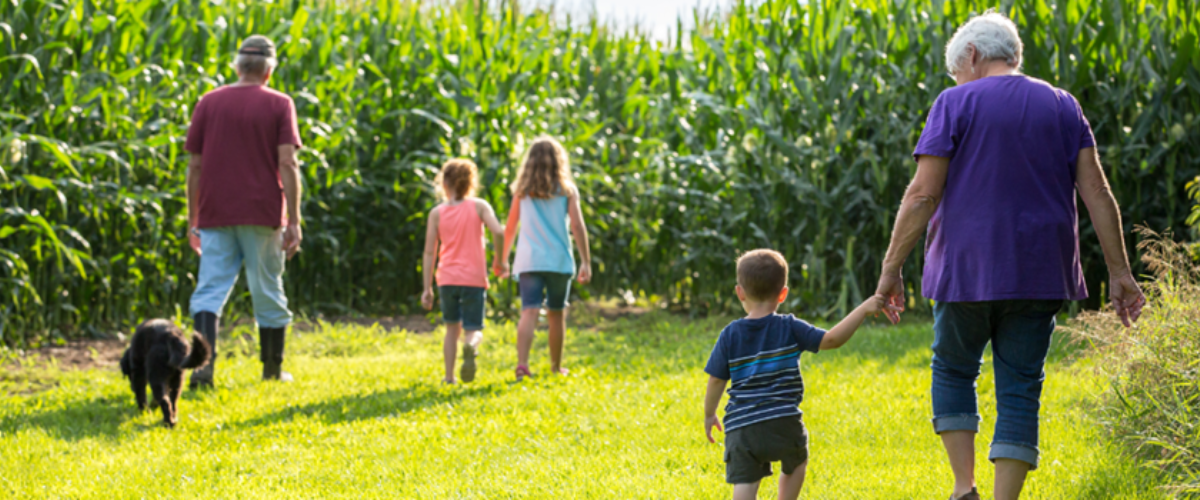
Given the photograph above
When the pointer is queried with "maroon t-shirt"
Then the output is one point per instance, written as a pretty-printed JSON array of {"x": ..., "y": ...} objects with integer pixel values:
[{"x": 237, "y": 131}]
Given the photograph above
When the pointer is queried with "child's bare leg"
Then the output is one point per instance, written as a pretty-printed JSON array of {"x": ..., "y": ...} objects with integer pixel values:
[
  {"x": 450, "y": 348},
  {"x": 525, "y": 328},
  {"x": 474, "y": 339},
  {"x": 790, "y": 484},
  {"x": 746, "y": 491},
  {"x": 558, "y": 325}
]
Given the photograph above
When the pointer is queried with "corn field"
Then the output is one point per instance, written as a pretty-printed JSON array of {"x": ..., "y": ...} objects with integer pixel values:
[{"x": 781, "y": 123}]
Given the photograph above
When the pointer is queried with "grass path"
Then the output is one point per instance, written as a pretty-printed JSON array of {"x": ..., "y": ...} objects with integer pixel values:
[{"x": 368, "y": 419}]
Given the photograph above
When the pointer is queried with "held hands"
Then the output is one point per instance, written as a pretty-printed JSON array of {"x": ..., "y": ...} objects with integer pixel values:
[
  {"x": 291, "y": 239},
  {"x": 891, "y": 287},
  {"x": 709, "y": 423},
  {"x": 874, "y": 305},
  {"x": 1127, "y": 297},
  {"x": 427, "y": 299},
  {"x": 500, "y": 269}
]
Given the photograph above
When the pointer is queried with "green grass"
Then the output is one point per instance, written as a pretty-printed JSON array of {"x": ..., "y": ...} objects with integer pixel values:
[{"x": 367, "y": 418}]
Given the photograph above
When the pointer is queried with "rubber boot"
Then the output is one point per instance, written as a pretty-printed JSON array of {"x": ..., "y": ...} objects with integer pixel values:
[
  {"x": 271, "y": 343},
  {"x": 206, "y": 323}
]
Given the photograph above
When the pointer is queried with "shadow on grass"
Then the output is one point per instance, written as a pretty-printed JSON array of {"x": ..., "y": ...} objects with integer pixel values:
[
  {"x": 385, "y": 404},
  {"x": 98, "y": 417}
]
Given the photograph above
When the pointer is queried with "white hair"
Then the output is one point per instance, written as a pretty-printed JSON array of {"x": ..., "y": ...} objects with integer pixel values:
[
  {"x": 993, "y": 36},
  {"x": 254, "y": 65}
]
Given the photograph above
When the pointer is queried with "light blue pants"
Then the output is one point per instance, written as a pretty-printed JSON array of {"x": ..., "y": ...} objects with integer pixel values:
[{"x": 223, "y": 251}]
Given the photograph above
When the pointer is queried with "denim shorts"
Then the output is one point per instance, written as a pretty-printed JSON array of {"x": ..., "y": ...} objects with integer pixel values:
[
  {"x": 750, "y": 450},
  {"x": 1019, "y": 331},
  {"x": 465, "y": 304},
  {"x": 542, "y": 289}
]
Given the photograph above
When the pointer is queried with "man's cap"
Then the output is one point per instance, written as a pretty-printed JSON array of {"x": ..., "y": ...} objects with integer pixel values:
[{"x": 257, "y": 45}]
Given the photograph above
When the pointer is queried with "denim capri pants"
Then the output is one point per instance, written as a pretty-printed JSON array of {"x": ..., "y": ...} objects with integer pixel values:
[{"x": 1019, "y": 331}]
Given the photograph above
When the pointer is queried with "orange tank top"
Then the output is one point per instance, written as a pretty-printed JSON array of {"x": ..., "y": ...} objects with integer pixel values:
[{"x": 462, "y": 260}]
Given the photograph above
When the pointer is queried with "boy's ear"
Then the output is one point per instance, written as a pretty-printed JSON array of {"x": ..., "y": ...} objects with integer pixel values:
[
  {"x": 783, "y": 295},
  {"x": 740, "y": 293}
]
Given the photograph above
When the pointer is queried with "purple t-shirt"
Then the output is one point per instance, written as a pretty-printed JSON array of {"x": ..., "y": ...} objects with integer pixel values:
[{"x": 1007, "y": 226}]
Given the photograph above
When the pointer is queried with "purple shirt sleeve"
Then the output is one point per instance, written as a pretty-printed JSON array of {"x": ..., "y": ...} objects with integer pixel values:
[
  {"x": 940, "y": 137},
  {"x": 718, "y": 361},
  {"x": 809, "y": 337}
]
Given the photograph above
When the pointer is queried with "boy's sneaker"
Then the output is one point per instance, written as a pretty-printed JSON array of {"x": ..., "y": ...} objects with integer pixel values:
[
  {"x": 467, "y": 372},
  {"x": 970, "y": 495}
]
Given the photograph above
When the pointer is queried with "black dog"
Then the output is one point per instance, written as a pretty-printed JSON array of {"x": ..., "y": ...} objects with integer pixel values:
[{"x": 158, "y": 353}]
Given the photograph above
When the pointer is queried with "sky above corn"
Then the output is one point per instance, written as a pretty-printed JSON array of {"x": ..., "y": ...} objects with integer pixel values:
[{"x": 656, "y": 16}]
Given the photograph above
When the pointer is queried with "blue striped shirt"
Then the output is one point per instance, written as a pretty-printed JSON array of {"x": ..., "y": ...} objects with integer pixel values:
[{"x": 761, "y": 357}]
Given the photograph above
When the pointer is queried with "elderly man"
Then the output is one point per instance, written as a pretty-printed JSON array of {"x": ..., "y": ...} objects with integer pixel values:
[
  {"x": 241, "y": 176},
  {"x": 998, "y": 165}
]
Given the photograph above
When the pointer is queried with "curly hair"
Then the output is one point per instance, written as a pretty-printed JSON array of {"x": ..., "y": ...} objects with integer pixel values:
[
  {"x": 461, "y": 175},
  {"x": 545, "y": 172}
]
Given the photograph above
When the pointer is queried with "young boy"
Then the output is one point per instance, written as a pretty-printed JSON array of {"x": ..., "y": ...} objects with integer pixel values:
[{"x": 761, "y": 355}]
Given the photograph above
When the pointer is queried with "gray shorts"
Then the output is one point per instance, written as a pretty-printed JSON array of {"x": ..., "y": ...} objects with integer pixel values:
[{"x": 750, "y": 450}]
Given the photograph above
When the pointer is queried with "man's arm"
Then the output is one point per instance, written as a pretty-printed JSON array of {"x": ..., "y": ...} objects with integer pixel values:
[
  {"x": 193, "y": 200},
  {"x": 1102, "y": 208},
  {"x": 289, "y": 175},
  {"x": 579, "y": 231},
  {"x": 712, "y": 398},
  {"x": 921, "y": 199}
]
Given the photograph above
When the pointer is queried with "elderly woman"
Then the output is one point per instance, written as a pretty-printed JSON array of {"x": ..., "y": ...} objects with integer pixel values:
[{"x": 998, "y": 165}]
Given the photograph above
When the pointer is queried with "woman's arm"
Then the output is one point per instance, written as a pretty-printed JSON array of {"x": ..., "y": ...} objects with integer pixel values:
[
  {"x": 500, "y": 266},
  {"x": 431, "y": 242},
  {"x": 579, "y": 231},
  {"x": 921, "y": 199},
  {"x": 1102, "y": 207}
]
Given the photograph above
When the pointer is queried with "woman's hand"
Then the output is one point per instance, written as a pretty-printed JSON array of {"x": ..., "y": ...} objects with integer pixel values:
[
  {"x": 1127, "y": 297},
  {"x": 891, "y": 286}
]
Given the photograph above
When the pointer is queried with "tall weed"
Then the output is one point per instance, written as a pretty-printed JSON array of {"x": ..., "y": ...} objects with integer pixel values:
[{"x": 1154, "y": 403}]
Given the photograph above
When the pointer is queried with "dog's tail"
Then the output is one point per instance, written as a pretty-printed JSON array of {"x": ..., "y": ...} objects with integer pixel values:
[
  {"x": 201, "y": 352},
  {"x": 126, "y": 364}
]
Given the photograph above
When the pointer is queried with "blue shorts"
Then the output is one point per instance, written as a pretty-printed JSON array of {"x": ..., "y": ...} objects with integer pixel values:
[
  {"x": 465, "y": 304},
  {"x": 541, "y": 289}
]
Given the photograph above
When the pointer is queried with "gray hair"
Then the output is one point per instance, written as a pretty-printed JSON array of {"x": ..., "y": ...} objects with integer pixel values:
[
  {"x": 252, "y": 65},
  {"x": 994, "y": 37}
]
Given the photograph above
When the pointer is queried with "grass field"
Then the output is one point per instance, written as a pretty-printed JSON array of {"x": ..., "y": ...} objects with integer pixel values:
[{"x": 367, "y": 418}]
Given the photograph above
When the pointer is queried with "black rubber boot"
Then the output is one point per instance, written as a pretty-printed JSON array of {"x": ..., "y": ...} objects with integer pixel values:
[
  {"x": 206, "y": 323},
  {"x": 271, "y": 343}
]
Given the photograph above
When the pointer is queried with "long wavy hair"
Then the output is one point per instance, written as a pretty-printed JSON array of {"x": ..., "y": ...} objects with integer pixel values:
[{"x": 545, "y": 171}]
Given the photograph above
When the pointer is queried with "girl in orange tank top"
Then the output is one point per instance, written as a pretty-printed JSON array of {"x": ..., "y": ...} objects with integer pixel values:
[{"x": 455, "y": 239}]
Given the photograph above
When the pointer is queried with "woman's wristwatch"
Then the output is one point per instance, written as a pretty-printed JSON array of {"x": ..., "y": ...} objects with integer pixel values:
[{"x": 195, "y": 231}]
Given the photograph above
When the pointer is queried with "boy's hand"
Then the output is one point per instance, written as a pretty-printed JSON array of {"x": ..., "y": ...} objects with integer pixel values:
[
  {"x": 709, "y": 423},
  {"x": 874, "y": 305},
  {"x": 585, "y": 273},
  {"x": 427, "y": 299}
]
